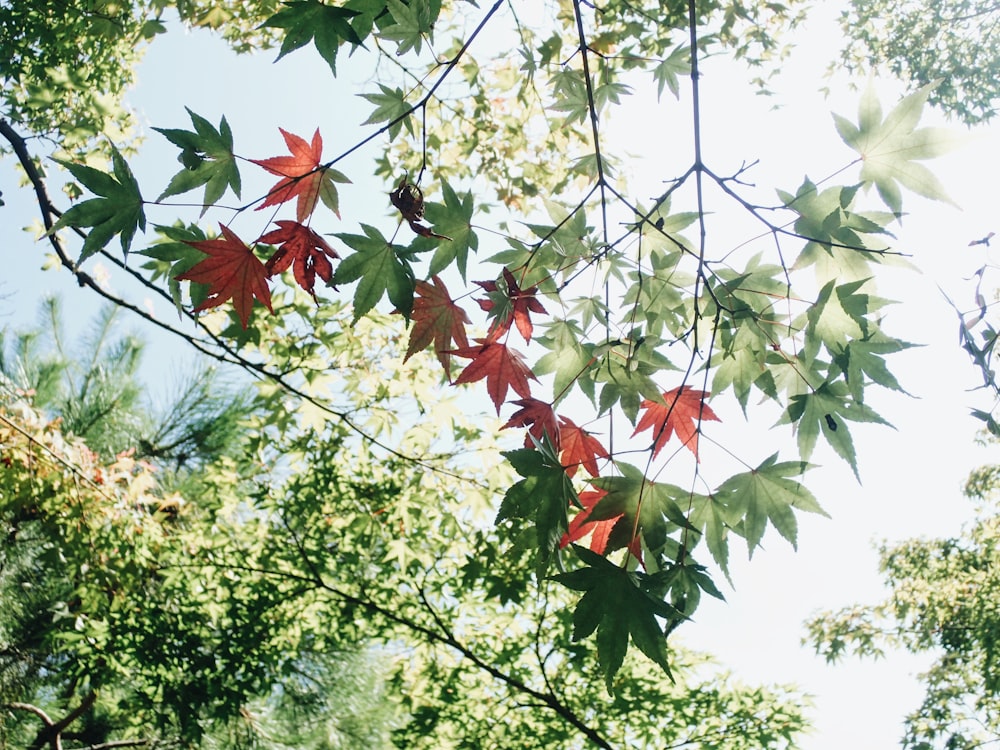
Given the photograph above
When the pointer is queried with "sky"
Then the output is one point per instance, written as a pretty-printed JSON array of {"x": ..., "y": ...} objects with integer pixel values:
[{"x": 911, "y": 477}]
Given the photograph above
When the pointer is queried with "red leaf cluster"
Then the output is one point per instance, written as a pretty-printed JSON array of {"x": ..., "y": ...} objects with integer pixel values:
[{"x": 576, "y": 446}]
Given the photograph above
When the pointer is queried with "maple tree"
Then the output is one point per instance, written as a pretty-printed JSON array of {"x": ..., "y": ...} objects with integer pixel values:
[{"x": 622, "y": 320}]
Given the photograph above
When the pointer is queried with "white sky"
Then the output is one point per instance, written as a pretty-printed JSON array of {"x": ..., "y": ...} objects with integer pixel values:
[{"x": 911, "y": 477}]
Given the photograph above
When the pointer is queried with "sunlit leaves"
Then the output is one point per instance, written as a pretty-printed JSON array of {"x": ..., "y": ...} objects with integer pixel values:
[
  {"x": 826, "y": 411},
  {"x": 650, "y": 509},
  {"x": 391, "y": 108},
  {"x": 767, "y": 494},
  {"x": 542, "y": 497},
  {"x": 617, "y": 604},
  {"x": 118, "y": 210},
  {"x": 667, "y": 71},
  {"x": 412, "y": 21},
  {"x": 207, "y": 159},
  {"x": 303, "y": 250},
  {"x": 892, "y": 147},
  {"x": 175, "y": 255},
  {"x": 304, "y": 177},
  {"x": 453, "y": 218},
  {"x": 579, "y": 448},
  {"x": 508, "y": 303},
  {"x": 379, "y": 269},
  {"x": 328, "y": 26},
  {"x": 681, "y": 412}
]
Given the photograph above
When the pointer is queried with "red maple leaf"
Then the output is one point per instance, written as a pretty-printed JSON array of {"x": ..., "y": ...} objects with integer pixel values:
[
  {"x": 305, "y": 251},
  {"x": 538, "y": 417},
  {"x": 438, "y": 320},
  {"x": 581, "y": 525},
  {"x": 503, "y": 368},
  {"x": 579, "y": 448},
  {"x": 510, "y": 304},
  {"x": 684, "y": 411},
  {"x": 231, "y": 270},
  {"x": 303, "y": 175}
]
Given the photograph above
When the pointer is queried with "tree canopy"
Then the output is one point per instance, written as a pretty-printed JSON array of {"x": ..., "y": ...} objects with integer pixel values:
[{"x": 619, "y": 319}]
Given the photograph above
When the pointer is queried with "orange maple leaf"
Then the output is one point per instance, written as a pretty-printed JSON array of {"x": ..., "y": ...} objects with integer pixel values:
[
  {"x": 683, "y": 412},
  {"x": 305, "y": 251},
  {"x": 538, "y": 417},
  {"x": 579, "y": 448},
  {"x": 302, "y": 172},
  {"x": 231, "y": 270},
  {"x": 438, "y": 320},
  {"x": 503, "y": 368},
  {"x": 581, "y": 525},
  {"x": 510, "y": 304}
]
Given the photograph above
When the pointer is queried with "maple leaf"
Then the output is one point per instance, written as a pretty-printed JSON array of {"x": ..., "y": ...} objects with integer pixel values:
[
  {"x": 438, "y": 320},
  {"x": 502, "y": 368},
  {"x": 542, "y": 498},
  {"x": 539, "y": 418},
  {"x": 581, "y": 525},
  {"x": 890, "y": 148},
  {"x": 207, "y": 156},
  {"x": 507, "y": 303},
  {"x": 682, "y": 413},
  {"x": 117, "y": 210},
  {"x": 305, "y": 251},
  {"x": 231, "y": 270},
  {"x": 303, "y": 176},
  {"x": 579, "y": 448}
]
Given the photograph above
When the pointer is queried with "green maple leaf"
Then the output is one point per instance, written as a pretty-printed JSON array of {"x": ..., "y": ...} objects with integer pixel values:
[
  {"x": 836, "y": 318},
  {"x": 168, "y": 260},
  {"x": 207, "y": 156},
  {"x": 836, "y": 236},
  {"x": 379, "y": 269},
  {"x": 767, "y": 493},
  {"x": 569, "y": 358},
  {"x": 863, "y": 357},
  {"x": 714, "y": 519},
  {"x": 667, "y": 72},
  {"x": 117, "y": 211},
  {"x": 617, "y": 604},
  {"x": 891, "y": 148},
  {"x": 412, "y": 21},
  {"x": 684, "y": 582},
  {"x": 626, "y": 369},
  {"x": 453, "y": 219},
  {"x": 827, "y": 410},
  {"x": 325, "y": 25},
  {"x": 542, "y": 497},
  {"x": 390, "y": 106},
  {"x": 740, "y": 366},
  {"x": 571, "y": 91},
  {"x": 646, "y": 506}
]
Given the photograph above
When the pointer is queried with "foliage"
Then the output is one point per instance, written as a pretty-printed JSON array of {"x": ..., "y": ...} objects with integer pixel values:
[
  {"x": 939, "y": 42},
  {"x": 67, "y": 64},
  {"x": 943, "y": 601},
  {"x": 626, "y": 329},
  {"x": 234, "y": 616}
]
